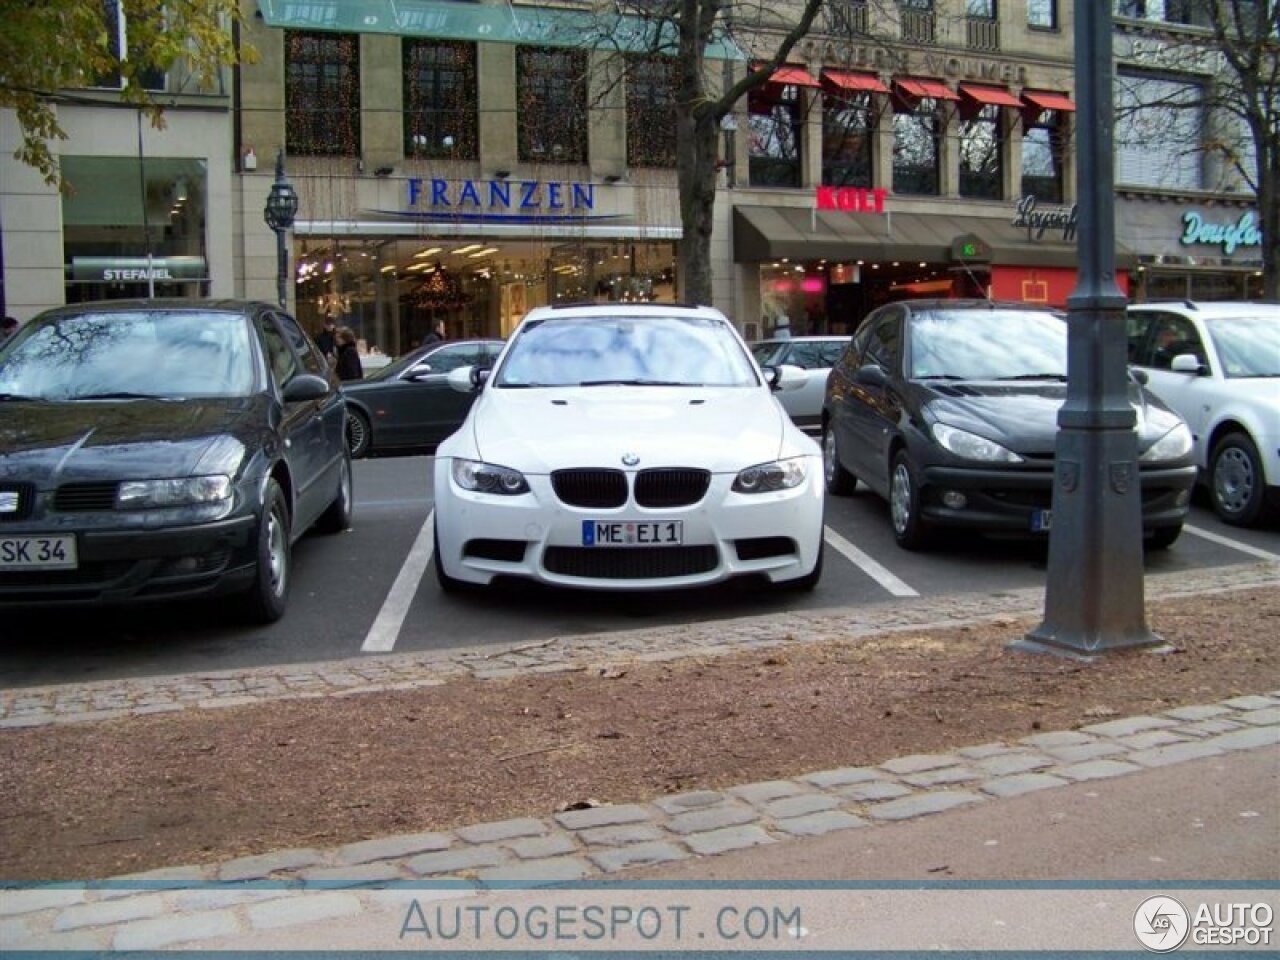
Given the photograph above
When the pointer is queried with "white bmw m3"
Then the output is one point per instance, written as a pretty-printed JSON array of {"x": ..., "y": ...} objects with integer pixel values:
[{"x": 627, "y": 447}]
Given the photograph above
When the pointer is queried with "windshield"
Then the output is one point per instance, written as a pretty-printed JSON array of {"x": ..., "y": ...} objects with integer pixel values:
[
  {"x": 162, "y": 354},
  {"x": 988, "y": 345},
  {"x": 1247, "y": 346},
  {"x": 647, "y": 350}
]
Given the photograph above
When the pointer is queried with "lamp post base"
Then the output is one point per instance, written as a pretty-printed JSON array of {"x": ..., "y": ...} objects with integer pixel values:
[{"x": 1087, "y": 649}]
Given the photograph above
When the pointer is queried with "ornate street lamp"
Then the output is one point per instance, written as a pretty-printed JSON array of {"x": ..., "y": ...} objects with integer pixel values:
[{"x": 282, "y": 207}]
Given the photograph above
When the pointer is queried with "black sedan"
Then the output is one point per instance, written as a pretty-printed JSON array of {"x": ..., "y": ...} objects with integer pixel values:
[
  {"x": 408, "y": 404},
  {"x": 164, "y": 449},
  {"x": 948, "y": 409}
]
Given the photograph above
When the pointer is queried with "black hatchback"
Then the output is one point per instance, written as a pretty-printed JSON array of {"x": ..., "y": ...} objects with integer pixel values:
[
  {"x": 948, "y": 410},
  {"x": 164, "y": 449}
]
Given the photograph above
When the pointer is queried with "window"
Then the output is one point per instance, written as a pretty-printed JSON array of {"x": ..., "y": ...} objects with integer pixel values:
[
  {"x": 775, "y": 127},
  {"x": 312, "y": 359},
  {"x": 885, "y": 346},
  {"x": 440, "y": 99},
  {"x": 119, "y": 49},
  {"x": 981, "y": 147},
  {"x": 281, "y": 360},
  {"x": 918, "y": 24},
  {"x": 1042, "y": 14},
  {"x": 322, "y": 93},
  {"x": 652, "y": 88},
  {"x": 1043, "y": 149},
  {"x": 1151, "y": 110},
  {"x": 916, "y": 132},
  {"x": 551, "y": 89},
  {"x": 981, "y": 25},
  {"x": 848, "y": 123}
]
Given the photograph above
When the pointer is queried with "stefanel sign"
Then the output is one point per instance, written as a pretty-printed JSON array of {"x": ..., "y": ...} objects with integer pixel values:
[{"x": 852, "y": 199}]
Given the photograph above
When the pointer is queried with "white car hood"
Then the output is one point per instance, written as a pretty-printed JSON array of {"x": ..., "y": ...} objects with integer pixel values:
[{"x": 720, "y": 429}]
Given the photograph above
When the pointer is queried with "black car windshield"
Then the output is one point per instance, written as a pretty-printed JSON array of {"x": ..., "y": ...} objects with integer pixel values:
[
  {"x": 136, "y": 355},
  {"x": 1248, "y": 346},
  {"x": 987, "y": 344},
  {"x": 607, "y": 350}
]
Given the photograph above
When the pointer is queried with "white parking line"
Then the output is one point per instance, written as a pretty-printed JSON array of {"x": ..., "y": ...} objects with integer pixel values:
[
  {"x": 1228, "y": 542},
  {"x": 386, "y": 627},
  {"x": 868, "y": 566}
]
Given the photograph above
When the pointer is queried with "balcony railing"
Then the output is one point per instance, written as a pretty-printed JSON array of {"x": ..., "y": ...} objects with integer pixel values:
[
  {"x": 918, "y": 26},
  {"x": 981, "y": 33},
  {"x": 847, "y": 18}
]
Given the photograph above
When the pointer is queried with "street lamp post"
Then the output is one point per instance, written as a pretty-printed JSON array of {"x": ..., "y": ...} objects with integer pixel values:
[
  {"x": 282, "y": 207},
  {"x": 1094, "y": 589}
]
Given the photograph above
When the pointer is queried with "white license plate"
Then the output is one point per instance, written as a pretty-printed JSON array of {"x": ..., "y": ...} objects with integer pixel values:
[
  {"x": 1041, "y": 520},
  {"x": 632, "y": 533},
  {"x": 38, "y": 553}
]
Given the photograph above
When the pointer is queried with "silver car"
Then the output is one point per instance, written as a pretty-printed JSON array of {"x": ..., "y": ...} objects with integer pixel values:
[{"x": 815, "y": 356}]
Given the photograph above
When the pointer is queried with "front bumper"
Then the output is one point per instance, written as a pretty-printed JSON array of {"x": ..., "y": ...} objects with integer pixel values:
[
  {"x": 537, "y": 537},
  {"x": 1004, "y": 501},
  {"x": 115, "y": 566}
]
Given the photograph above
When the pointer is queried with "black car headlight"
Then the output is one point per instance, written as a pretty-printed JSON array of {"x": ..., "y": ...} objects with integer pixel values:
[
  {"x": 971, "y": 446},
  {"x": 488, "y": 478},
  {"x": 176, "y": 492},
  {"x": 766, "y": 477},
  {"x": 1174, "y": 445}
]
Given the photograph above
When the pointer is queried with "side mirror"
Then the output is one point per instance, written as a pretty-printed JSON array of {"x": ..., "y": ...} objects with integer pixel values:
[
  {"x": 1141, "y": 376},
  {"x": 787, "y": 377},
  {"x": 419, "y": 372},
  {"x": 870, "y": 375},
  {"x": 1188, "y": 363},
  {"x": 305, "y": 387}
]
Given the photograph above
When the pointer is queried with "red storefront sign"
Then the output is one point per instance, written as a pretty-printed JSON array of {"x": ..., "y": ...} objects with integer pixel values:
[
  {"x": 852, "y": 199},
  {"x": 1046, "y": 285}
]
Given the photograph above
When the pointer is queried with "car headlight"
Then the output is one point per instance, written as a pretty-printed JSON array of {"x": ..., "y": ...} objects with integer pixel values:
[
  {"x": 971, "y": 446},
  {"x": 765, "y": 477},
  {"x": 144, "y": 494},
  {"x": 1174, "y": 445},
  {"x": 488, "y": 478}
]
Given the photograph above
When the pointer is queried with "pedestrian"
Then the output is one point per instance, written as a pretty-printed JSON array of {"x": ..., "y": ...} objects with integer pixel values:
[
  {"x": 326, "y": 341},
  {"x": 348, "y": 366},
  {"x": 437, "y": 333},
  {"x": 8, "y": 327}
]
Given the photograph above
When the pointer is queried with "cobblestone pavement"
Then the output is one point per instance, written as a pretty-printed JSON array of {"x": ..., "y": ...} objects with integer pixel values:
[{"x": 111, "y": 699}]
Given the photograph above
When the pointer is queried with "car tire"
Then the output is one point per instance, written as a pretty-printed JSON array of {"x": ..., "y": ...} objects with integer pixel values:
[
  {"x": 337, "y": 516},
  {"x": 1236, "y": 481},
  {"x": 264, "y": 601},
  {"x": 359, "y": 434},
  {"x": 909, "y": 529},
  {"x": 1162, "y": 538},
  {"x": 840, "y": 482}
]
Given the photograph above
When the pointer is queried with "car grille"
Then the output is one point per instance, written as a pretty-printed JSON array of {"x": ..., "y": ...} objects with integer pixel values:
[
  {"x": 603, "y": 489},
  {"x": 84, "y": 497},
  {"x": 630, "y": 563},
  {"x": 671, "y": 487},
  {"x": 26, "y": 500}
]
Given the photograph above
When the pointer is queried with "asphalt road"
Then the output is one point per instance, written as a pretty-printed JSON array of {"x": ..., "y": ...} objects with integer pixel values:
[{"x": 349, "y": 595}]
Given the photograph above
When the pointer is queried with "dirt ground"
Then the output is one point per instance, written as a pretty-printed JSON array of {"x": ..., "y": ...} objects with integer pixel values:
[{"x": 95, "y": 800}]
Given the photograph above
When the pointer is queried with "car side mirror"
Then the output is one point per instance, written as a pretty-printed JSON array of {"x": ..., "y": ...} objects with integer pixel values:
[
  {"x": 1188, "y": 363},
  {"x": 305, "y": 387},
  {"x": 419, "y": 372},
  {"x": 871, "y": 375},
  {"x": 785, "y": 376},
  {"x": 1141, "y": 376}
]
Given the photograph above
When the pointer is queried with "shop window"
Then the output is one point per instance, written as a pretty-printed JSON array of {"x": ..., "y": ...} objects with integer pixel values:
[
  {"x": 848, "y": 127},
  {"x": 1043, "y": 149},
  {"x": 652, "y": 88},
  {"x": 440, "y": 99},
  {"x": 1042, "y": 14},
  {"x": 775, "y": 127},
  {"x": 981, "y": 147},
  {"x": 1152, "y": 110},
  {"x": 916, "y": 133},
  {"x": 551, "y": 89},
  {"x": 322, "y": 93}
]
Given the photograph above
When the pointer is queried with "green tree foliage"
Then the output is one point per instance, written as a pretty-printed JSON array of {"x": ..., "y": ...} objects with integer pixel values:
[{"x": 51, "y": 47}]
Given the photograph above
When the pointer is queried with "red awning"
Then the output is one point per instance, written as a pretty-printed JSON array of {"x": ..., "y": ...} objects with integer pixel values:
[
  {"x": 845, "y": 80},
  {"x": 796, "y": 76},
  {"x": 927, "y": 88},
  {"x": 994, "y": 96},
  {"x": 1049, "y": 101}
]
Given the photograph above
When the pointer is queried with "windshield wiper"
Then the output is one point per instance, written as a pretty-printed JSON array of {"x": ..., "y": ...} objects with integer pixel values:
[
  {"x": 121, "y": 395},
  {"x": 943, "y": 376},
  {"x": 1060, "y": 377},
  {"x": 636, "y": 383},
  {"x": 20, "y": 396}
]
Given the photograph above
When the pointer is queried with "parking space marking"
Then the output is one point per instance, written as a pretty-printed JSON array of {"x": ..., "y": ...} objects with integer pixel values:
[
  {"x": 868, "y": 566},
  {"x": 386, "y": 626},
  {"x": 1233, "y": 544}
]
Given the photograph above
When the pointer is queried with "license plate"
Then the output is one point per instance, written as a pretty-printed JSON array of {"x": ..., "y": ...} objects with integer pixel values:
[
  {"x": 1041, "y": 520},
  {"x": 664, "y": 533},
  {"x": 38, "y": 553}
]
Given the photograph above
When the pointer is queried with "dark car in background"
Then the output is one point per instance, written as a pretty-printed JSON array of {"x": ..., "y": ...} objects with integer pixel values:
[
  {"x": 948, "y": 410},
  {"x": 408, "y": 404},
  {"x": 165, "y": 449}
]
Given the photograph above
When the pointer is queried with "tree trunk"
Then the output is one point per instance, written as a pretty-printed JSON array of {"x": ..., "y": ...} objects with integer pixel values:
[
  {"x": 1269, "y": 218},
  {"x": 696, "y": 153}
]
